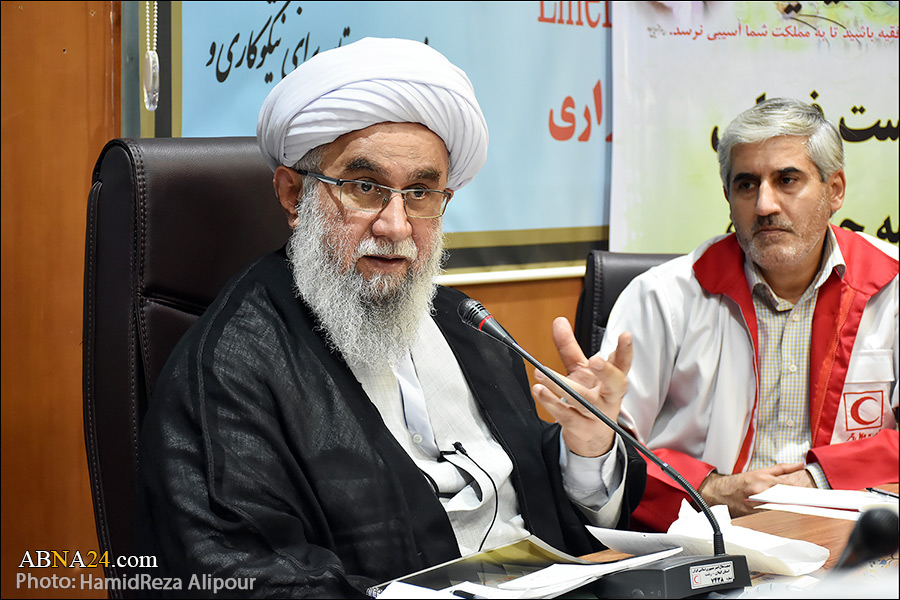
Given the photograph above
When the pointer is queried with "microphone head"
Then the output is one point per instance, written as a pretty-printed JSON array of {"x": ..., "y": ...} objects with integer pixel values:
[
  {"x": 876, "y": 534},
  {"x": 879, "y": 529},
  {"x": 478, "y": 317},
  {"x": 472, "y": 312}
]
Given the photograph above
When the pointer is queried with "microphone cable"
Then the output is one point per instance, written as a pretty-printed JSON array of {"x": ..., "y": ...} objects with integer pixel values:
[{"x": 461, "y": 450}]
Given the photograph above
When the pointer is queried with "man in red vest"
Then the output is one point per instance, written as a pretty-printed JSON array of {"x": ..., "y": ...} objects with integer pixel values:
[{"x": 768, "y": 355}]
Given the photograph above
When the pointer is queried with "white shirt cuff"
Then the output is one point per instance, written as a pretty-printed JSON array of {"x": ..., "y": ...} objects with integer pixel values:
[{"x": 595, "y": 484}]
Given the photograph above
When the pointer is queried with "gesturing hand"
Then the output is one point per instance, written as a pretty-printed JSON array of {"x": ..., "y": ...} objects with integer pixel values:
[{"x": 602, "y": 382}]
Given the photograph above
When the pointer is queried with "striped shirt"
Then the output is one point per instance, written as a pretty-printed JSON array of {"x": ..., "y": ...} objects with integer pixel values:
[{"x": 782, "y": 428}]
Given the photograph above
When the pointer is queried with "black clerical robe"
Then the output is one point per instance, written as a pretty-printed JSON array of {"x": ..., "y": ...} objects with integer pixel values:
[{"x": 261, "y": 456}]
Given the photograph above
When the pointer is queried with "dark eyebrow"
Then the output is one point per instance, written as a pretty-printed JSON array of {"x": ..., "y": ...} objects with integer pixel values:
[
  {"x": 364, "y": 164},
  {"x": 744, "y": 177},
  {"x": 789, "y": 171}
]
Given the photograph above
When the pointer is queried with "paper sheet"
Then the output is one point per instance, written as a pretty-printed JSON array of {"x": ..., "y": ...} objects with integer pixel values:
[
  {"x": 789, "y": 494},
  {"x": 560, "y": 575},
  {"x": 831, "y": 513},
  {"x": 548, "y": 582},
  {"x": 765, "y": 553}
]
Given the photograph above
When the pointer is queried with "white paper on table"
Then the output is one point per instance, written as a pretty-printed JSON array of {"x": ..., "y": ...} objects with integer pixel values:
[
  {"x": 766, "y": 553},
  {"x": 548, "y": 582},
  {"x": 818, "y": 511},
  {"x": 560, "y": 578},
  {"x": 495, "y": 593},
  {"x": 789, "y": 494}
]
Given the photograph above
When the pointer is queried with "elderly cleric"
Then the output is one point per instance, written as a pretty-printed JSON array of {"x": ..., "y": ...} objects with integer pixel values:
[{"x": 329, "y": 423}]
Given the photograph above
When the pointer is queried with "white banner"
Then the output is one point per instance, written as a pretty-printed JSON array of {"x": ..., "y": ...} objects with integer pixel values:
[
  {"x": 540, "y": 71},
  {"x": 684, "y": 70}
]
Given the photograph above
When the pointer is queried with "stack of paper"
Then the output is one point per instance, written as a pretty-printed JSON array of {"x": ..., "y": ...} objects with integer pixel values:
[
  {"x": 835, "y": 504},
  {"x": 549, "y": 582},
  {"x": 765, "y": 553}
]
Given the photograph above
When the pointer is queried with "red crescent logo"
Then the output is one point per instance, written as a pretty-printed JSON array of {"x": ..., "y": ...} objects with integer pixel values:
[
  {"x": 854, "y": 411},
  {"x": 696, "y": 579}
]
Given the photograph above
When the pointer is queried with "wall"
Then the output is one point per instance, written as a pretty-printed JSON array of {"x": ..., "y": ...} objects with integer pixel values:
[
  {"x": 60, "y": 95},
  {"x": 60, "y": 104},
  {"x": 526, "y": 310}
]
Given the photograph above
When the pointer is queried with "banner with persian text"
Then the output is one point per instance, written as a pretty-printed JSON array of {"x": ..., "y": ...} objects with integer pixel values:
[
  {"x": 684, "y": 70},
  {"x": 540, "y": 71}
]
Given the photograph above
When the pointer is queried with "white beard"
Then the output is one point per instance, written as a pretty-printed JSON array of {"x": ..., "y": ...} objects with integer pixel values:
[{"x": 371, "y": 322}]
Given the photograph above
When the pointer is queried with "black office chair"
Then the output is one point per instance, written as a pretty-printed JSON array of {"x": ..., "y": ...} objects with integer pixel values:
[
  {"x": 606, "y": 275},
  {"x": 169, "y": 222}
]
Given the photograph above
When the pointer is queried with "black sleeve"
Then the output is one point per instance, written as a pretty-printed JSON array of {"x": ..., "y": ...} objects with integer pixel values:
[{"x": 219, "y": 497}]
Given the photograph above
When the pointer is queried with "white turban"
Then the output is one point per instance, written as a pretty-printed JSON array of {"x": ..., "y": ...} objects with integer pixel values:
[{"x": 368, "y": 82}]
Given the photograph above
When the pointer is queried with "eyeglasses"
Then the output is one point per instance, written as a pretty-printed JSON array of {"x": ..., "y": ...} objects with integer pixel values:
[{"x": 367, "y": 196}]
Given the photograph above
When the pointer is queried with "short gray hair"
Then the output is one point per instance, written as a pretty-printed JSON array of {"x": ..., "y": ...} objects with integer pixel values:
[{"x": 784, "y": 116}]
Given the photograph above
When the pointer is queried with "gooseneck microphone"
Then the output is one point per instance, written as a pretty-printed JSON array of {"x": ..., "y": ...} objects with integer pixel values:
[{"x": 476, "y": 316}]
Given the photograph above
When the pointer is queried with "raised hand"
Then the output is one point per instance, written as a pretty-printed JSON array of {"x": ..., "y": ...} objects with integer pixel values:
[{"x": 602, "y": 382}]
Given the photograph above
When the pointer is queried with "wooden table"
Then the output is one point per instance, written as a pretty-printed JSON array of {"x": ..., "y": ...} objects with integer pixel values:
[
  {"x": 824, "y": 531},
  {"x": 829, "y": 533}
]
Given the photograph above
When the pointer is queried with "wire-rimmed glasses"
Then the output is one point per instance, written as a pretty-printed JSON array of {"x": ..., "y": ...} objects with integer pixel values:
[{"x": 367, "y": 196}]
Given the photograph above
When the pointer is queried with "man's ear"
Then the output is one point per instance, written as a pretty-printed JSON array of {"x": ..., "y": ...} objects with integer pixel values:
[
  {"x": 287, "y": 184},
  {"x": 837, "y": 186}
]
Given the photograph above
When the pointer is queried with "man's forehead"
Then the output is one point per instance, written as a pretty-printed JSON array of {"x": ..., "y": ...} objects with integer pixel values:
[
  {"x": 773, "y": 154},
  {"x": 406, "y": 150},
  {"x": 368, "y": 165}
]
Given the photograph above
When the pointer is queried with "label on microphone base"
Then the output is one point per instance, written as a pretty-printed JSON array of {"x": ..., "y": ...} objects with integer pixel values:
[{"x": 704, "y": 576}]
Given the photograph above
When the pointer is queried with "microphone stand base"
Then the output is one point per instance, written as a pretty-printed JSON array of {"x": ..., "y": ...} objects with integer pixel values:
[{"x": 676, "y": 577}]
